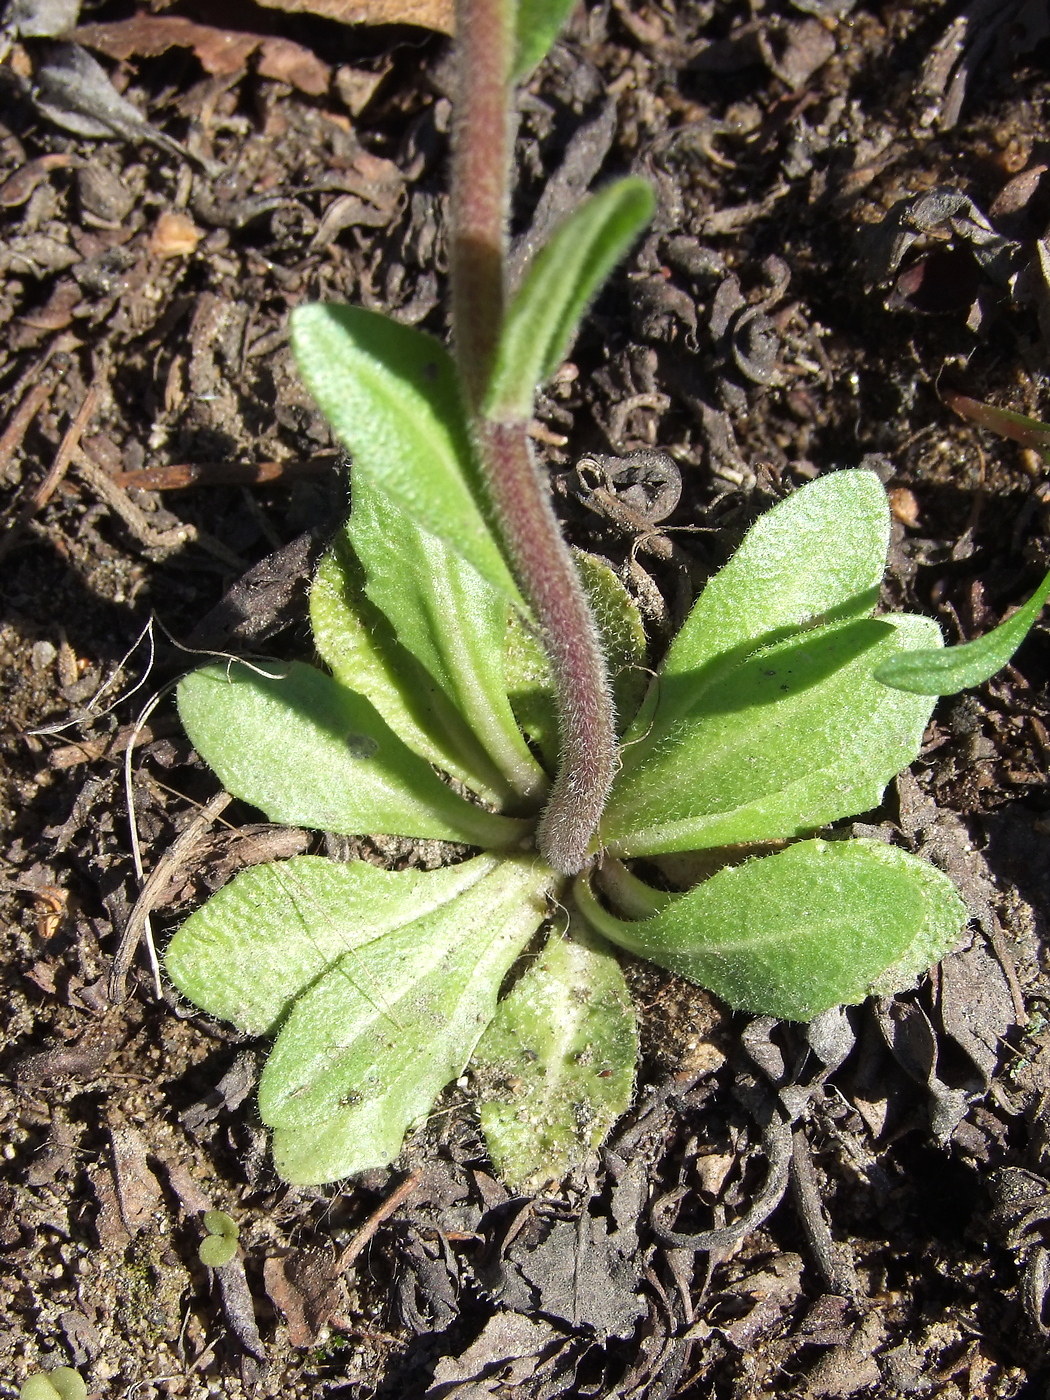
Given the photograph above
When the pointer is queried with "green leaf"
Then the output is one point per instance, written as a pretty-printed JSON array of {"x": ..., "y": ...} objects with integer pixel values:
[
  {"x": 538, "y": 23},
  {"x": 219, "y": 1244},
  {"x": 267, "y": 936},
  {"x": 948, "y": 670},
  {"x": 391, "y": 394},
  {"x": 555, "y": 1069},
  {"x": 817, "y": 557},
  {"x": 794, "y": 737},
  {"x": 451, "y": 620},
  {"x": 819, "y": 925},
  {"x": 367, "y": 1049},
  {"x": 559, "y": 284},
  {"x": 358, "y": 642},
  {"x": 63, "y": 1383},
  {"x": 623, "y": 641},
  {"x": 295, "y": 743}
]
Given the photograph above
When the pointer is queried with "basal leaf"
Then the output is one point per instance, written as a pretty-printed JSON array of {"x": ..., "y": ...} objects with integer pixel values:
[
  {"x": 794, "y": 737},
  {"x": 555, "y": 1069},
  {"x": 947, "y": 670},
  {"x": 558, "y": 286},
  {"x": 264, "y": 938},
  {"x": 295, "y": 743},
  {"x": 448, "y": 617},
  {"x": 819, "y": 925},
  {"x": 391, "y": 394},
  {"x": 359, "y": 645},
  {"x": 367, "y": 1049},
  {"x": 538, "y": 23},
  {"x": 818, "y": 556}
]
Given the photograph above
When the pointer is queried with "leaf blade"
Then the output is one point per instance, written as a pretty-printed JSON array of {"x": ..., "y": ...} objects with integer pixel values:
[
  {"x": 358, "y": 644},
  {"x": 792, "y": 738},
  {"x": 537, "y": 25},
  {"x": 555, "y": 1067},
  {"x": 446, "y": 614},
  {"x": 827, "y": 924},
  {"x": 391, "y": 395},
  {"x": 558, "y": 286},
  {"x": 260, "y": 941},
  {"x": 820, "y": 554},
  {"x": 947, "y": 670},
  {"x": 309, "y": 752},
  {"x": 366, "y": 1050}
]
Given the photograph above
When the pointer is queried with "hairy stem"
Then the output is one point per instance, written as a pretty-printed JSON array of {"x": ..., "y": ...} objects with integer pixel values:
[
  {"x": 481, "y": 154},
  {"x": 482, "y": 140},
  {"x": 586, "y": 718}
]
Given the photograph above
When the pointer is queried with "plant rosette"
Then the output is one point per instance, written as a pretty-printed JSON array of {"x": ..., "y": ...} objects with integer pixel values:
[
  {"x": 765, "y": 722},
  {"x": 481, "y": 688}
]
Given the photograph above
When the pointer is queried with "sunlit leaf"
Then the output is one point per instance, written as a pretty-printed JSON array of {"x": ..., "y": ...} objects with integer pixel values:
[
  {"x": 947, "y": 670},
  {"x": 817, "y": 557},
  {"x": 366, "y": 1050},
  {"x": 444, "y": 613},
  {"x": 295, "y": 743},
  {"x": 359, "y": 644},
  {"x": 556, "y": 1066},
  {"x": 538, "y": 23},
  {"x": 558, "y": 286},
  {"x": 819, "y": 925},
  {"x": 794, "y": 737},
  {"x": 268, "y": 935},
  {"x": 391, "y": 394}
]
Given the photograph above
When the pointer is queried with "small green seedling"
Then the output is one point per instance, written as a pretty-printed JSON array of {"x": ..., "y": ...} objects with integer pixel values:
[
  {"x": 483, "y": 687},
  {"x": 63, "y": 1383},
  {"x": 220, "y": 1242}
]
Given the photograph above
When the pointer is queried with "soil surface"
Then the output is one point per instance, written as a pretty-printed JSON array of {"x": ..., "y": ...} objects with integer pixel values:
[{"x": 851, "y": 203}]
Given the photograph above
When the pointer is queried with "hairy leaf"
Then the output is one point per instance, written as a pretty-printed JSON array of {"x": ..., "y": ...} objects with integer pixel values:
[
  {"x": 819, "y": 925},
  {"x": 558, "y": 286},
  {"x": 359, "y": 644},
  {"x": 295, "y": 743},
  {"x": 538, "y": 23},
  {"x": 451, "y": 620},
  {"x": 556, "y": 1066},
  {"x": 391, "y": 394},
  {"x": 794, "y": 737},
  {"x": 366, "y": 1050},
  {"x": 947, "y": 670},
  {"x": 817, "y": 557},
  {"x": 264, "y": 938}
]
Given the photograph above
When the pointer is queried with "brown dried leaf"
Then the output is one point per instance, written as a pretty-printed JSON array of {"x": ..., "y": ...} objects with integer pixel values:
[
  {"x": 221, "y": 52},
  {"x": 139, "y": 1197},
  {"x": 287, "y": 62},
  {"x": 429, "y": 14}
]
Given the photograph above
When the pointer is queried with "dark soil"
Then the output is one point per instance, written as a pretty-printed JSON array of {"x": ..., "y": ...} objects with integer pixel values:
[{"x": 861, "y": 1208}]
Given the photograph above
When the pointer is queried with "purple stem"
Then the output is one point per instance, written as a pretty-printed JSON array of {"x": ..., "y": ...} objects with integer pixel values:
[{"x": 519, "y": 493}]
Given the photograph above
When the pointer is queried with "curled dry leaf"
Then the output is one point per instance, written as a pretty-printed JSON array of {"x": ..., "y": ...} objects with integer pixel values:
[
  {"x": 221, "y": 52},
  {"x": 429, "y": 14}
]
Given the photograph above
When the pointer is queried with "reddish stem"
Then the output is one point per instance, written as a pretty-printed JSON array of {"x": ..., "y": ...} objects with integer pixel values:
[
  {"x": 519, "y": 494},
  {"x": 586, "y": 718},
  {"x": 481, "y": 152}
]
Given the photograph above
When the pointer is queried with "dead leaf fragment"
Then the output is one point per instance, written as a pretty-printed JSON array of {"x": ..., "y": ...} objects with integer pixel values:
[
  {"x": 428, "y": 14},
  {"x": 174, "y": 235},
  {"x": 222, "y": 53}
]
